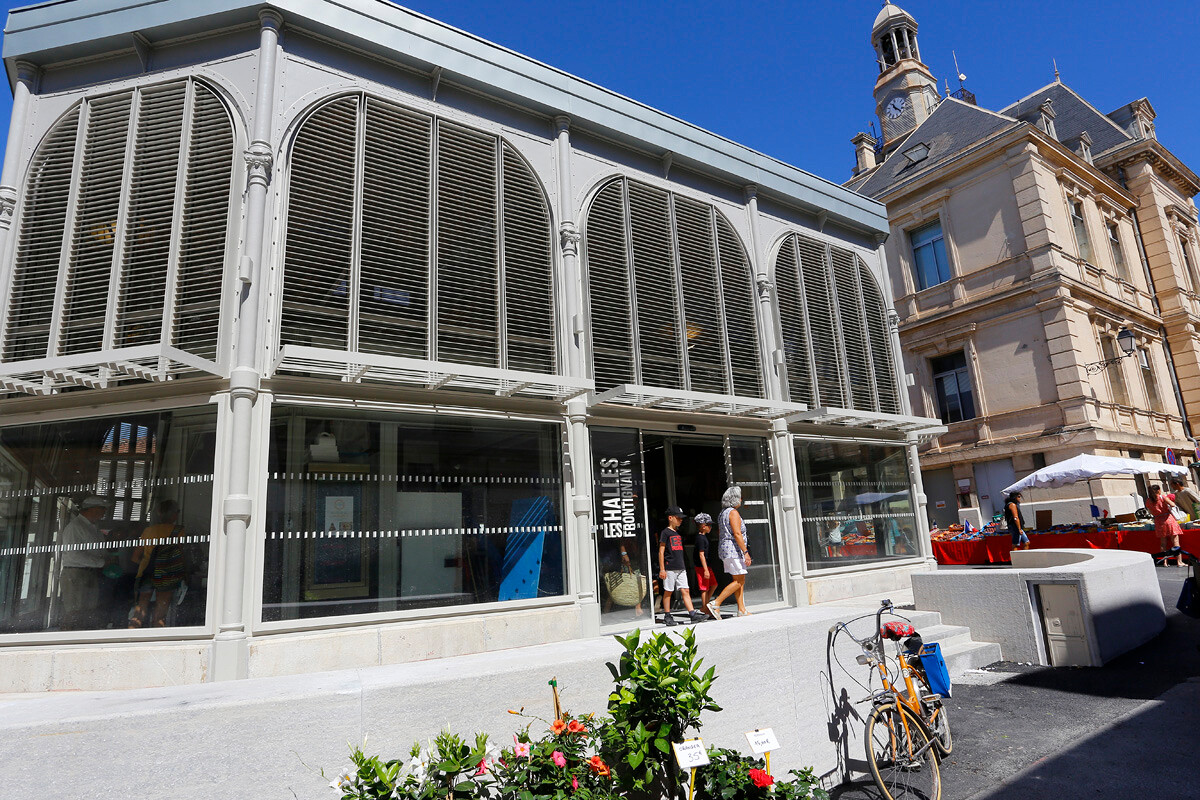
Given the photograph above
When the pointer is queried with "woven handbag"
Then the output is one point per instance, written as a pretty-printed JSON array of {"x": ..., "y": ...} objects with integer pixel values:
[{"x": 626, "y": 587}]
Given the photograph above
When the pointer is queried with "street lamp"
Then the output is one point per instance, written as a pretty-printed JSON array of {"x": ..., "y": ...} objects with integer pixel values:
[{"x": 1125, "y": 342}]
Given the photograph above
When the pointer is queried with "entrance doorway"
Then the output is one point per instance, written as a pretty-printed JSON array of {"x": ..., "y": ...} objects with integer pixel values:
[{"x": 639, "y": 475}]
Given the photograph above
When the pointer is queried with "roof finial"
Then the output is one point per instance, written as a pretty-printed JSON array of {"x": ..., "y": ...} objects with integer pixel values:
[
  {"x": 1056, "y": 78},
  {"x": 947, "y": 87}
]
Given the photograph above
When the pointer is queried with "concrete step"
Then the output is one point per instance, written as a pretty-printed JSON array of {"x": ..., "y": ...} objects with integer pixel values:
[{"x": 963, "y": 656}]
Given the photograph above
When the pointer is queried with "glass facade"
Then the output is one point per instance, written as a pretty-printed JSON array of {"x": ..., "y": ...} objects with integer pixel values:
[
  {"x": 856, "y": 501},
  {"x": 106, "y": 522},
  {"x": 383, "y": 512}
]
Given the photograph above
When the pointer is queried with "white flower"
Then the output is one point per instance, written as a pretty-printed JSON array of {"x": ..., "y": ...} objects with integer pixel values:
[{"x": 343, "y": 781}]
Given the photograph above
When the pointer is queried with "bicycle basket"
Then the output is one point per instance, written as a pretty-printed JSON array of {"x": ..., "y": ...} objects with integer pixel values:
[{"x": 935, "y": 669}]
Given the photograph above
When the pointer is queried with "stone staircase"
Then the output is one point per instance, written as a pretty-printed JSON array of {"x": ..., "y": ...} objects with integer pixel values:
[{"x": 960, "y": 651}]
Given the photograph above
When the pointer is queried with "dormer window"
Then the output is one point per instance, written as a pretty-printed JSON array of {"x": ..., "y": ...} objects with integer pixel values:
[
  {"x": 1085, "y": 147},
  {"x": 1046, "y": 121}
]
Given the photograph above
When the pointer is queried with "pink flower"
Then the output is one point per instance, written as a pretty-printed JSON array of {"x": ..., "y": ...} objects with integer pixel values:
[
  {"x": 482, "y": 767},
  {"x": 574, "y": 783},
  {"x": 559, "y": 759},
  {"x": 522, "y": 750}
]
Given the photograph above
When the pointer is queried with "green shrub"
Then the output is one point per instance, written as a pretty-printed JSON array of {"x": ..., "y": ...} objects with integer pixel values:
[{"x": 733, "y": 776}]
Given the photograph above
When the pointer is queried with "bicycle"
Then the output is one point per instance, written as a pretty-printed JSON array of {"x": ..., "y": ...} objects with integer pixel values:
[{"x": 908, "y": 729}]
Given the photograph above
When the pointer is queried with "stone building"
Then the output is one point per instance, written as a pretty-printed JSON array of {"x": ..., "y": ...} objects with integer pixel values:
[
  {"x": 388, "y": 343},
  {"x": 1043, "y": 260}
]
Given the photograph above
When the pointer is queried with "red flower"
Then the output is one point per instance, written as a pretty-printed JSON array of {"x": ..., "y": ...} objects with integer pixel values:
[
  {"x": 598, "y": 766},
  {"x": 557, "y": 727},
  {"x": 760, "y": 778},
  {"x": 575, "y": 726}
]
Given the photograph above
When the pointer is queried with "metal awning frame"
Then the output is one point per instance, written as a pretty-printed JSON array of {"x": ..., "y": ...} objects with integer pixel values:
[
  {"x": 922, "y": 428},
  {"x": 422, "y": 374},
  {"x": 102, "y": 369},
  {"x": 628, "y": 394}
]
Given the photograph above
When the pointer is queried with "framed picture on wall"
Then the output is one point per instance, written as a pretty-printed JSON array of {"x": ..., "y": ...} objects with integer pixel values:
[{"x": 337, "y": 563}]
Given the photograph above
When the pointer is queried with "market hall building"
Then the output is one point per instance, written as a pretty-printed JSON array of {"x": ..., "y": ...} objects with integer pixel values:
[{"x": 333, "y": 336}]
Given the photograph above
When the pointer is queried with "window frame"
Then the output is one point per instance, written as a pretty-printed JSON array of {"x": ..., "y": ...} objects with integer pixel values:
[
  {"x": 959, "y": 373},
  {"x": 937, "y": 246},
  {"x": 1113, "y": 228},
  {"x": 1083, "y": 241}
]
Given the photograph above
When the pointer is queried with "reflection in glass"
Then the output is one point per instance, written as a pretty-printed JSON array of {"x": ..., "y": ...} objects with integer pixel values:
[
  {"x": 106, "y": 522},
  {"x": 381, "y": 512},
  {"x": 856, "y": 502}
]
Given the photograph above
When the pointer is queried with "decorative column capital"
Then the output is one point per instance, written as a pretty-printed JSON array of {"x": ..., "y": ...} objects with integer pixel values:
[
  {"x": 270, "y": 18},
  {"x": 258, "y": 162},
  {"x": 562, "y": 123},
  {"x": 27, "y": 73},
  {"x": 750, "y": 192},
  {"x": 765, "y": 287},
  {"x": 893, "y": 319},
  {"x": 8, "y": 204},
  {"x": 569, "y": 237}
]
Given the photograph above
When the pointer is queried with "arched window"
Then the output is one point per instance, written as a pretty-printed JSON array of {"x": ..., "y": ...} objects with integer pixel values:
[
  {"x": 123, "y": 226},
  {"x": 833, "y": 318},
  {"x": 408, "y": 235},
  {"x": 671, "y": 294}
]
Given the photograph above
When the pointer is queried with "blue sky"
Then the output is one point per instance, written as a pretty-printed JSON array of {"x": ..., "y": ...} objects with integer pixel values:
[{"x": 794, "y": 79}]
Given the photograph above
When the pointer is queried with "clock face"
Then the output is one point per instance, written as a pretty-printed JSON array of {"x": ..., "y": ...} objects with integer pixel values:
[{"x": 895, "y": 107}]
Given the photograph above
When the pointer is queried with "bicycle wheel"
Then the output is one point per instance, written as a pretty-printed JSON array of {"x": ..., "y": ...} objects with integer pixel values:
[
  {"x": 902, "y": 759},
  {"x": 939, "y": 724}
]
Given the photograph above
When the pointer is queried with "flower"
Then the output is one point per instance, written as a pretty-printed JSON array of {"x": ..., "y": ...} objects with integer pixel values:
[
  {"x": 598, "y": 766},
  {"x": 575, "y": 726},
  {"x": 760, "y": 778},
  {"x": 559, "y": 759},
  {"x": 521, "y": 749},
  {"x": 343, "y": 781},
  {"x": 574, "y": 783},
  {"x": 483, "y": 767},
  {"x": 557, "y": 727}
]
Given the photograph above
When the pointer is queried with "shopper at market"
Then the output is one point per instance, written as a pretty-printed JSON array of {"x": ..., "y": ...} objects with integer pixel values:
[
  {"x": 734, "y": 552},
  {"x": 1185, "y": 497},
  {"x": 672, "y": 570},
  {"x": 1160, "y": 507},
  {"x": 1016, "y": 523}
]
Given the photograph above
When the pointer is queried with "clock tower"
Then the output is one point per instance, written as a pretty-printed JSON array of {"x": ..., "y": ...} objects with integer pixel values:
[{"x": 906, "y": 91}]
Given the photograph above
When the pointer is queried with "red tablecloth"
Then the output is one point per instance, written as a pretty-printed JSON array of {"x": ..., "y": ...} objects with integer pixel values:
[{"x": 995, "y": 549}]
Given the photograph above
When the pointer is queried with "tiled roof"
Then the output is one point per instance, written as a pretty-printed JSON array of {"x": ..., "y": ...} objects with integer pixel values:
[
  {"x": 952, "y": 127},
  {"x": 1072, "y": 116}
]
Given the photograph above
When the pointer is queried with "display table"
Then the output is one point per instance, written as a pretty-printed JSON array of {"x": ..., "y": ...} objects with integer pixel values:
[{"x": 995, "y": 549}]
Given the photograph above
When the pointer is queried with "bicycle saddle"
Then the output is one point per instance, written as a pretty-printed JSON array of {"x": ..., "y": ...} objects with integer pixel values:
[{"x": 896, "y": 630}]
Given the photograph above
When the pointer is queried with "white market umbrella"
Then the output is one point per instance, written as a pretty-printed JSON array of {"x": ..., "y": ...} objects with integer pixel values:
[{"x": 1086, "y": 467}]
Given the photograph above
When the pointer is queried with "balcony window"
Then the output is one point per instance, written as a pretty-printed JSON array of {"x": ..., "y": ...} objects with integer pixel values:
[
  {"x": 1116, "y": 378},
  {"x": 1189, "y": 266},
  {"x": 929, "y": 255},
  {"x": 952, "y": 386},
  {"x": 1148, "y": 380},
  {"x": 1082, "y": 242}
]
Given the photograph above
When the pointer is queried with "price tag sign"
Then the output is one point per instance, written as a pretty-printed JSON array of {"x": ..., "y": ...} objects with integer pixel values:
[
  {"x": 762, "y": 741},
  {"x": 690, "y": 753}
]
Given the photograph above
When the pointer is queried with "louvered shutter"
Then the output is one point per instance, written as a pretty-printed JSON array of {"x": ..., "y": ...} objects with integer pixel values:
[
  {"x": 705, "y": 325},
  {"x": 823, "y": 323},
  {"x": 394, "y": 257},
  {"x": 793, "y": 323},
  {"x": 151, "y": 210},
  {"x": 879, "y": 336},
  {"x": 320, "y": 227},
  {"x": 90, "y": 258},
  {"x": 655, "y": 287},
  {"x": 741, "y": 322},
  {"x": 610, "y": 304},
  {"x": 528, "y": 269},
  {"x": 203, "y": 233},
  {"x": 43, "y": 219},
  {"x": 859, "y": 368}
]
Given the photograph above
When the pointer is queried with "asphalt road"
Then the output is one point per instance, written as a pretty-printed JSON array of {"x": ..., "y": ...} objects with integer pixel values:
[{"x": 1129, "y": 728}]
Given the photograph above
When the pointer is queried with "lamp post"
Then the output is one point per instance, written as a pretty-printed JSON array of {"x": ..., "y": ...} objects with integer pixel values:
[{"x": 1125, "y": 342}]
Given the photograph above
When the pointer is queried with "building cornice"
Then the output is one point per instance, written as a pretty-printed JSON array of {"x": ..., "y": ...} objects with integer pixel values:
[{"x": 1159, "y": 157}]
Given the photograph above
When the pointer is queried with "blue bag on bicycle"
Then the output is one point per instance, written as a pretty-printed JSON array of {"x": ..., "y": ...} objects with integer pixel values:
[
  {"x": 1189, "y": 598},
  {"x": 935, "y": 669}
]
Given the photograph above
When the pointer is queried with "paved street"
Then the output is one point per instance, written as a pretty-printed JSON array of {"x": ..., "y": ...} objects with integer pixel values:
[{"x": 1034, "y": 732}]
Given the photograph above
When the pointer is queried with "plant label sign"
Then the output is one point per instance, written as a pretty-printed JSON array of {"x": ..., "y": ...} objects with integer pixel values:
[
  {"x": 690, "y": 753},
  {"x": 762, "y": 741}
]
